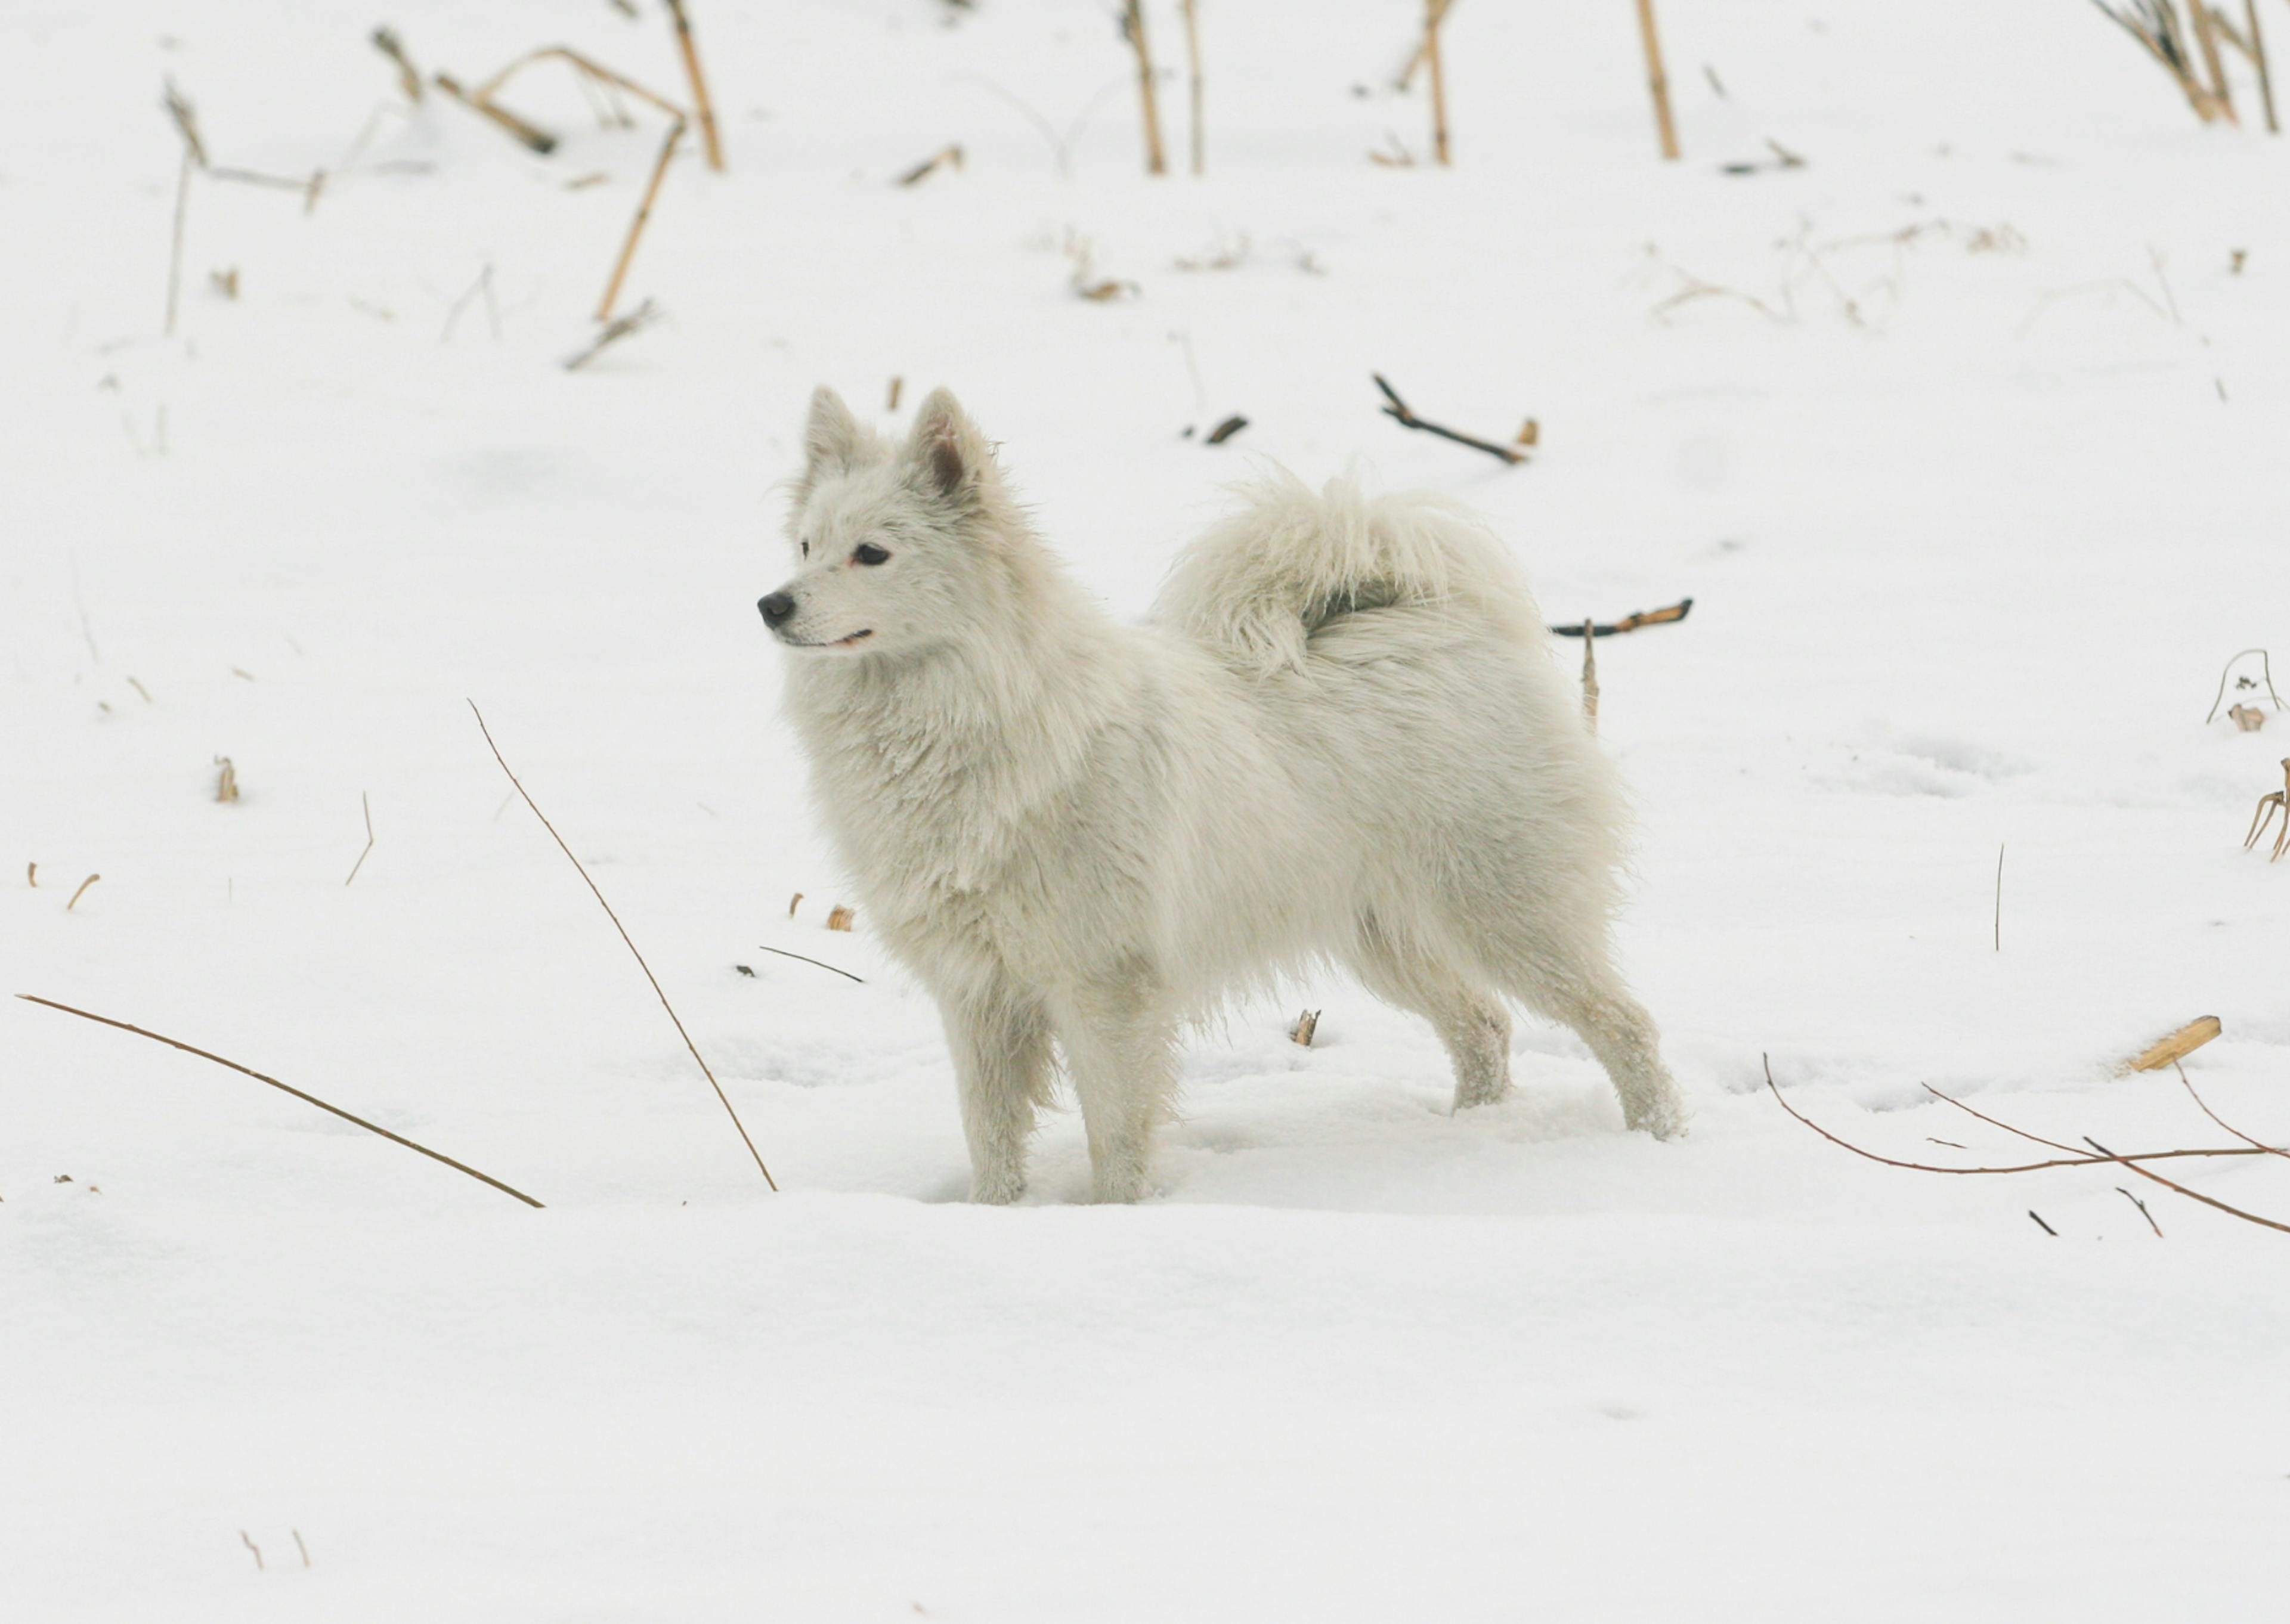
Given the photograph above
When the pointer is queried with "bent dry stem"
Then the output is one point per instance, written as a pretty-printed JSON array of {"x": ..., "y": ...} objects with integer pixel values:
[
  {"x": 623, "y": 929},
  {"x": 335, "y": 1110}
]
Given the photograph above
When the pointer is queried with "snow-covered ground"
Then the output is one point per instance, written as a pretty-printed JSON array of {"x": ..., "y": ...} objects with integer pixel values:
[{"x": 1975, "y": 476}]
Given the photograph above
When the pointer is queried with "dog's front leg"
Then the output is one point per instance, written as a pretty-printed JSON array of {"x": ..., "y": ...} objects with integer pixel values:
[
  {"x": 1001, "y": 1047},
  {"x": 1123, "y": 1058}
]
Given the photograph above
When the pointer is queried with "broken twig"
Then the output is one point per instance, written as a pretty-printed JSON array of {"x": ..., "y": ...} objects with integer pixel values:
[
  {"x": 1629, "y": 623},
  {"x": 1398, "y": 412}
]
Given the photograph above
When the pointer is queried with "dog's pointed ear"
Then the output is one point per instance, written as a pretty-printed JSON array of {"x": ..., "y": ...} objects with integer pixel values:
[
  {"x": 831, "y": 436},
  {"x": 947, "y": 452}
]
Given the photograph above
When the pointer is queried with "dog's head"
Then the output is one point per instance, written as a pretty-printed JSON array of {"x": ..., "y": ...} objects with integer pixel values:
[{"x": 890, "y": 539}]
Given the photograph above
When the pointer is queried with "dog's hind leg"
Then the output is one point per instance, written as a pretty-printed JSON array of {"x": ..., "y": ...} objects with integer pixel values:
[
  {"x": 1470, "y": 1021},
  {"x": 1001, "y": 1045},
  {"x": 1122, "y": 1054},
  {"x": 1591, "y": 998}
]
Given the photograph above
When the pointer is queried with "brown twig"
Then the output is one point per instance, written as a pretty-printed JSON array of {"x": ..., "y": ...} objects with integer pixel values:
[
  {"x": 2040, "y": 1224},
  {"x": 1225, "y": 430},
  {"x": 82, "y": 891},
  {"x": 700, "y": 104},
  {"x": 1631, "y": 622},
  {"x": 1434, "y": 12},
  {"x": 396, "y": 1139},
  {"x": 2143, "y": 1213},
  {"x": 2208, "y": 1201},
  {"x": 625, "y": 937},
  {"x": 2073, "y": 1160},
  {"x": 822, "y": 964},
  {"x": 1658, "y": 81},
  {"x": 1132, "y": 29},
  {"x": 1398, "y": 412},
  {"x": 2214, "y": 1116}
]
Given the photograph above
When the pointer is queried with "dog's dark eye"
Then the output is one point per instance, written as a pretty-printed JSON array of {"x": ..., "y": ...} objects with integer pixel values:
[{"x": 866, "y": 552}]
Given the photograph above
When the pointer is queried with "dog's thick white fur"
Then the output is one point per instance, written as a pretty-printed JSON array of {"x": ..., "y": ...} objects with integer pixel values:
[{"x": 1343, "y": 738}]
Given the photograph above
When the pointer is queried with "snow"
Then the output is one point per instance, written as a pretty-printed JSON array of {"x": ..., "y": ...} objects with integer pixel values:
[{"x": 1972, "y": 520}]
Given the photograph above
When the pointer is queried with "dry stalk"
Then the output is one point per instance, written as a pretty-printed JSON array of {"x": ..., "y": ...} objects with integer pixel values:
[
  {"x": 2254, "y": 47},
  {"x": 1132, "y": 29},
  {"x": 950, "y": 154},
  {"x": 195, "y": 156},
  {"x": 1193, "y": 84},
  {"x": 700, "y": 104},
  {"x": 615, "y": 330},
  {"x": 1590, "y": 634},
  {"x": 2214, "y": 69},
  {"x": 1658, "y": 81},
  {"x": 822, "y": 964},
  {"x": 539, "y": 141},
  {"x": 226, "y": 780},
  {"x": 368, "y": 805},
  {"x": 2175, "y": 1047},
  {"x": 841, "y": 918},
  {"x": 2264, "y": 818},
  {"x": 484, "y": 99},
  {"x": 615, "y": 918},
  {"x": 386, "y": 41},
  {"x": 32, "y": 875},
  {"x": 1434, "y": 12},
  {"x": 1999, "y": 897},
  {"x": 2143, "y": 1213},
  {"x": 2154, "y": 25},
  {"x": 1306, "y": 1023},
  {"x": 2266, "y": 673},
  {"x": 82, "y": 891},
  {"x": 1225, "y": 430},
  {"x": 335, "y": 1110},
  {"x": 794, "y": 902}
]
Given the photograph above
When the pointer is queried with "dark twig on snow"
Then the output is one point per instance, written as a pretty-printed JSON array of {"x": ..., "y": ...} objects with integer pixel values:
[
  {"x": 2040, "y": 1224},
  {"x": 1225, "y": 430},
  {"x": 386, "y": 41},
  {"x": 2143, "y": 1213},
  {"x": 822, "y": 964},
  {"x": 335, "y": 1110},
  {"x": 625, "y": 938},
  {"x": 1398, "y": 412},
  {"x": 1629, "y": 623},
  {"x": 615, "y": 330}
]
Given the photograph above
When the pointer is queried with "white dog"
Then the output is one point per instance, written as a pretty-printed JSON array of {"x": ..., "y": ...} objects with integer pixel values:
[{"x": 1345, "y": 738}]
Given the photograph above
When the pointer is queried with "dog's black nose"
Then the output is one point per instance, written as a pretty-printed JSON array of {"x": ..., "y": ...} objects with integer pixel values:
[{"x": 776, "y": 608}]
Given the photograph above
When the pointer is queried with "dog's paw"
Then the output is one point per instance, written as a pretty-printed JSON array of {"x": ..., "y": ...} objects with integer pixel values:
[{"x": 997, "y": 1189}]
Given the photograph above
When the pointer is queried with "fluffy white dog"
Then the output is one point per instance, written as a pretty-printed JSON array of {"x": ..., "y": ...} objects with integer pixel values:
[{"x": 1344, "y": 738}]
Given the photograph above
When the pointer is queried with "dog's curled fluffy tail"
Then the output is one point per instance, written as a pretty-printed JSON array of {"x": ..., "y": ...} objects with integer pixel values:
[{"x": 1255, "y": 587}]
